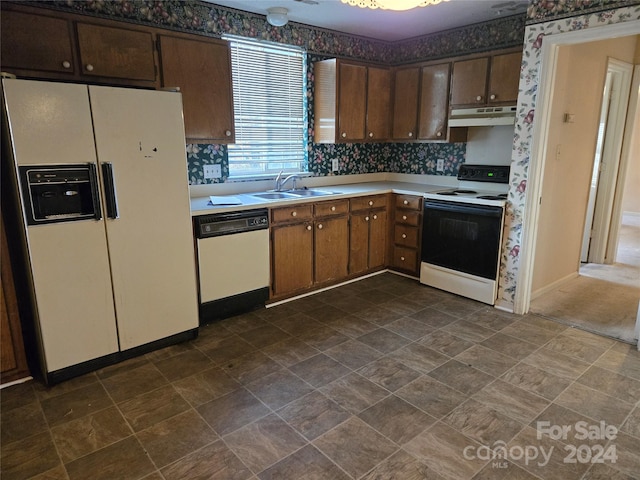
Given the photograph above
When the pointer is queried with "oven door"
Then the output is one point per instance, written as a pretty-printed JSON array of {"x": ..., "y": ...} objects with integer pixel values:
[{"x": 462, "y": 237}]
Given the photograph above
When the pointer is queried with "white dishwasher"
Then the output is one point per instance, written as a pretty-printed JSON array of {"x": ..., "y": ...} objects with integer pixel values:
[{"x": 233, "y": 262}]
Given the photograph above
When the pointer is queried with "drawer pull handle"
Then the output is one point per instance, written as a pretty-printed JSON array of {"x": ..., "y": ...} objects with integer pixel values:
[
  {"x": 439, "y": 134},
  {"x": 404, "y": 217},
  {"x": 479, "y": 98},
  {"x": 319, "y": 226},
  {"x": 370, "y": 203},
  {"x": 308, "y": 227},
  {"x": 492, "y": 97},
  {"x": 333, "y": 209},
  {"x": 89, "y": 67},
  {"x": 66, "y": 64},
  {"x": 406, "y": 202},
  {"x": 294, "y": 214},
  {"x": 366, "y": 219},
  {"x": 344, "y": 134},
  {"x": 402, "y": 258},
  {"x": 375, "y": 217},
  {"x": 404, "y": 235},
  {"x": 370, "y": 134},
  {"x": 227, "y": 133}
]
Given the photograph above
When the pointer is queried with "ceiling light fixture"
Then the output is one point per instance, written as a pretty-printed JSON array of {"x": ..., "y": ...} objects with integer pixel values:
[
  {"x": 277, "y": 16},
  {"x": 392, "y": 4}
]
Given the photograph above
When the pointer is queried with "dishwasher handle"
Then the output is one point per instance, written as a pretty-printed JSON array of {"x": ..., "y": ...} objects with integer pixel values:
[{"x": 216, "y": 225}]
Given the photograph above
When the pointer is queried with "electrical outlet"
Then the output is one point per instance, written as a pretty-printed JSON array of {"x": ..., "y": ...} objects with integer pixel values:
[
  {"x": 212, "y": 171},
  {"x": 335, "y": 165},
  {"x": 440, "y": 165}
]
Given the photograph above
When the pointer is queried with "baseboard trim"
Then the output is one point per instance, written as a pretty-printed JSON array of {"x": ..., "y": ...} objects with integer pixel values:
[{"x": 554, "y": 285}]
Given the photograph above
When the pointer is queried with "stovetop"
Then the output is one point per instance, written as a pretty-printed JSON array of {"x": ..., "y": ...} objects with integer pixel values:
[{"x": 478, "y": 184}]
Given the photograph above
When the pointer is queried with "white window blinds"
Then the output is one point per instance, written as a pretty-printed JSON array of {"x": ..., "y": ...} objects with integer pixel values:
[{"x": 269, "y": 103}]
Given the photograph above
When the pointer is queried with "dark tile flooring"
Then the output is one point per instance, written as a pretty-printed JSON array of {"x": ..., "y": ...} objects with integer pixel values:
[{"x": 378, "y": 379}]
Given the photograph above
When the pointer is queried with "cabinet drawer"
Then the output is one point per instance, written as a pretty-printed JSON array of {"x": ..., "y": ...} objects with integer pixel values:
[
  {"x": 328, "y": 208},
  {"x": 406, "y": 235},
  {"x": 408, "y": 217},
  {"x": 408, "y": 201},
  {"x": 371, "y": 201},
  {"x": 405, "y": 258},
  {"x": 292, "y": 213}
]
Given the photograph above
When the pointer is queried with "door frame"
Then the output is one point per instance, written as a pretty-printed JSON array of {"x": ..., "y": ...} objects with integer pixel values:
[
  {"x": 610, "y": 160},
  {"x": 540, "y": 144}
]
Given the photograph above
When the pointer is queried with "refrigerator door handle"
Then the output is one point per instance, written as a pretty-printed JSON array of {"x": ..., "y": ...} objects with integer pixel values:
[
  {"x": 110, "y": 190},
  {"x": 95, "y": 195}
]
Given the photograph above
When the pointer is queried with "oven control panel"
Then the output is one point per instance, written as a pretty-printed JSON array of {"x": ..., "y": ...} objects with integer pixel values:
[{"x": 484, "y": 173}]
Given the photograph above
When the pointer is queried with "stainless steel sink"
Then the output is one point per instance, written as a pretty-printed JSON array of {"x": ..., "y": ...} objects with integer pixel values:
[
  {"x": 310, "y": 193},
  {"x": 272, "y": 195}
]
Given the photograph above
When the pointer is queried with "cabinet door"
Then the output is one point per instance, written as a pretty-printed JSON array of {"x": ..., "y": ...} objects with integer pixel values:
[
  {"x": 352, "y": 102},
  {"x": 116, "y": 52},
  {"x": 405, "y": 104},
  {"x": 469, "y": 81},
  {"x": 331, "y": 249},
  {"x": 36, "y": 42},
  {"x": 504, "y": 78},
  {"x": 202, "y": 70},
  {"x": 292, "y": 257},
  {"x": 378, "y": 234},
  {"x": 359, "y": 242},
  {"x": 378, "y": 103},
  {"x": 434, "y": 93}
]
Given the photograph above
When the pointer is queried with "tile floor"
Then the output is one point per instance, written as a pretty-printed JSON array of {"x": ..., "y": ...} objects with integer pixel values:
[{"x": 379, "y": 379}]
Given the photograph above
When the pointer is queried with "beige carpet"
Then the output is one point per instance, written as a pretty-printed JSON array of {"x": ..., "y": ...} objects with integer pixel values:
[{"x": 603, "y": 299}]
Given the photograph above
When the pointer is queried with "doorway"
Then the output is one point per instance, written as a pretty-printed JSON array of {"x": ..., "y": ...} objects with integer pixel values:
[{"x": 559, "y": 289}]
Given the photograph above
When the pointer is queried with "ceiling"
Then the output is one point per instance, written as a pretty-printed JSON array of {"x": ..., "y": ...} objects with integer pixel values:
[{"x": 385, "y": 24}]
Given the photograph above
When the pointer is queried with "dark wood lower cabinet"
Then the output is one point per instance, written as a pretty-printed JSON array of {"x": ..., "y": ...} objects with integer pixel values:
[
  {"x": 292, "y": 257},
  {"x": 331, "y": 249},
  {"x": 13, "y": 362}
]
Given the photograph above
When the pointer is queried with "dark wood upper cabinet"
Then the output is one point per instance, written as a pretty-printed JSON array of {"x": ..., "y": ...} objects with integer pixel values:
[
  {"x": 202, "y": 71},
  {"x": 352, "y": 101},
  {"x": 378, "y": 103},
  {"x": 116, "y": 52},
  {"x": 36, "y": 43},
  {"x": 490, "y": 80},
  {"x": 434, "y": 92},
  {"x": 405, "y": 103}
]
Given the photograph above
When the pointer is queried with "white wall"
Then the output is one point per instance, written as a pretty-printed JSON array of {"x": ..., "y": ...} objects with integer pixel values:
[
  {"x": 571, "y": 146},
  {"x": 490, "y": 145}
]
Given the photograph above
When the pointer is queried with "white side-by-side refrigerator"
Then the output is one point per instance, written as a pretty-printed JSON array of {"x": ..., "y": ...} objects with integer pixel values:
[{"x": 124, "y": 280}]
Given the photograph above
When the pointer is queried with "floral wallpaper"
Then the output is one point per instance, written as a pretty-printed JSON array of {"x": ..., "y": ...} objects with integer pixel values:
[
  {"x": 525, "y": 120},
  {"x": 545, "y": 10}
]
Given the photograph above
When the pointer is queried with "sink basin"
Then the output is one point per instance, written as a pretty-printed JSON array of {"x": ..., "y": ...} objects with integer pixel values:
[
  {"x": 272, "y": 195},
  {"x": 310, "y": 193}
]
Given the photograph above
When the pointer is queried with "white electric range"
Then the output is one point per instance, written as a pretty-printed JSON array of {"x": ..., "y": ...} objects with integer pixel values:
[{"x": 462, "y": 233}]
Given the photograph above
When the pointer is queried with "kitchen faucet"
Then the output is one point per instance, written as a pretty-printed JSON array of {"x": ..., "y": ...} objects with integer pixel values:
[{"x": 281, "y": 183}]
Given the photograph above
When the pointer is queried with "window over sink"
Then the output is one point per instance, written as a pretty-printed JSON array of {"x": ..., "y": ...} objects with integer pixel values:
[{"x": 269, "y": 108}]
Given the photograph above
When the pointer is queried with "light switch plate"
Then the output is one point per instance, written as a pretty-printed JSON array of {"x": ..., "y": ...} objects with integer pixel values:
[
  {"x": 212, "y": 171},
  {"x": 335, "y": 165},
  {"x": 440, "y": 165}
]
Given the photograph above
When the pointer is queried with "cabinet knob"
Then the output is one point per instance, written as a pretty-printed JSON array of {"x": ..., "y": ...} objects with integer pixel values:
[
  {"x": 227, "y": 133},
  {"x": 405, "y": 202},
  {"x": 366, "y": 219},
  {"x": 439, "y": 134},
  {"x": 333, "y": 209},
  {"x": 404, "y": 235},
  {"x": 294, "y": 214},
  {"x": 370, "y": 202},
  {"x": 88, "y": 67},
  {"x": 66, "y": 64},
  {"x": 492, "y": 97},
  {"x": 404, "y": 217},
  {"x": 410, "y": 134},
  {"x": 319, "y": 226},
  {"x": 402, "y": 258},
  {"x": 344, "y": 135},
  {"x": 375, "y": 217},
  {"x": 370, "y": 134},
  {"x": 479, "y": 98},
  {"x": 308, "y": 227}
]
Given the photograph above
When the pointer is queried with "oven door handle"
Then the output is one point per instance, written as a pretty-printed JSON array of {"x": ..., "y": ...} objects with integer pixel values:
[
  {"x": 110, "y": 190},
  {"x": 484, "y": 210},
  {"x": 95, "y": 195}
]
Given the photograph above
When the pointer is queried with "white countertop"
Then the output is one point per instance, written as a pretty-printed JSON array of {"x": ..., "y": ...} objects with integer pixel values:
[{"x": 200, "y": 205}]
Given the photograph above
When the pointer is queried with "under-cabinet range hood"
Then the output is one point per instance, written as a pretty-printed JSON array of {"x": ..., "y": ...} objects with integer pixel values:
[{"x": 484, "y": 116}]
